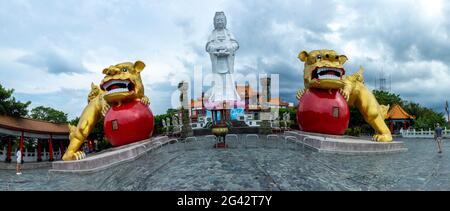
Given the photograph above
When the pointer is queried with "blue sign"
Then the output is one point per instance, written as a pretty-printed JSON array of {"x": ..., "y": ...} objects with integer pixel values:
[{"x": 235, "y": 112}]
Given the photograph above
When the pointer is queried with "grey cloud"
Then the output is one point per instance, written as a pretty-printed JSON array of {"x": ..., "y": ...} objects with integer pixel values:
[
  {"x": 186, "y": 26},
  {"x": 160, "y": 96},
  {"x": 399, "y": 29},
  {"x": 73, "y": 103},
  {"x": 302, "y": 25},
  {"x": 253, "y": 25},
  {"x": 53, "y": 61},
  {"x": 383, "y": 24}
]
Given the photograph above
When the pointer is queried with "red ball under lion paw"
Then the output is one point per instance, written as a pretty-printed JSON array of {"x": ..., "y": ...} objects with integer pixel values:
[
  {"x": 323, "y": 111},
  {"x": 128, "y": 123}
]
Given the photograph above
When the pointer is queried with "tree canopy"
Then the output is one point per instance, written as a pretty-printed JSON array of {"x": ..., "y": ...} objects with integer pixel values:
[
  {"x": 48, "y": 114},
  {"x": 387, "y": 98},
  {"x": 9, "y": 106},
  {"x": 425, "y": 117}
]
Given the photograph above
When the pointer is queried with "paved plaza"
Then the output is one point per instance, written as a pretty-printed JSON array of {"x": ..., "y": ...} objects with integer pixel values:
[{"x": 258, "y": 167}]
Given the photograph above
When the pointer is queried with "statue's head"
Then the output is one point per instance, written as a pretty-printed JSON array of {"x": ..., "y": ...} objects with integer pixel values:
[
  {"x": 123, "y": 82},
  {"x": 183, "y": 86},
  {"x": 220, "y": 20},
  {"x": 324, "y": 69}
]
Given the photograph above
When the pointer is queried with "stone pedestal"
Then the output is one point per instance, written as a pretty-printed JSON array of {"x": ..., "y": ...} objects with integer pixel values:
[
  {"x": 345, "y": 144},
  {"x": 110, "y": 157},
  {"x": 186, "y": 129}
]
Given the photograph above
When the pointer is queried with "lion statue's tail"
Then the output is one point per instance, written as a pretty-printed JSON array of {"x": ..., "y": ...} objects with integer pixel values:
[{"x": 95, "y": 91}]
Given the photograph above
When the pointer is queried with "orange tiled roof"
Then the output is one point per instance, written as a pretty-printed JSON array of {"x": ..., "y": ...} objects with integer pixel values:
[
  {"x": 397, "y": 112},
  {"x": 241, "y": 91},
  {"x": 196, "y": 103},
  {"x": 32, "y": 125}
]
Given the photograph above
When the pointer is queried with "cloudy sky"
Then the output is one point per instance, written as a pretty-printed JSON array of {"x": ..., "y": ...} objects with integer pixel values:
[{"x": 51, "y": 50}]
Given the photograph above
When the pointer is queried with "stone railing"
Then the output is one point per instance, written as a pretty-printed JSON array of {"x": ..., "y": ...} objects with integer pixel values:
[
  {"x": 30, "y": 156},
  {"x": 413, "y": 133}
]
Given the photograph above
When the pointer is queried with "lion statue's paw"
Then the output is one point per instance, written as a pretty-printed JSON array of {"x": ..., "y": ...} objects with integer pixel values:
[
  {"x": 74, "y": 156},
  {"x": 382, "y": 138}
]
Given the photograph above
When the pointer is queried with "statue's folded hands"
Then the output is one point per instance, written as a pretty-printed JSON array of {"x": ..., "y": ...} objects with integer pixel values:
[{"x": 222, "y": 53}]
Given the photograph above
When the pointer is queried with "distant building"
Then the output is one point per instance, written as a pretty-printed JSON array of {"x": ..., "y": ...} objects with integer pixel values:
[
  {"x": 398, "y": 118},
  {"x": 257, "y": 106}
]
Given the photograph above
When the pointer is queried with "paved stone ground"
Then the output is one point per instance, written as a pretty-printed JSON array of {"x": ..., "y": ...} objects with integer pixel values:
[{"x": 262, "y": 168}]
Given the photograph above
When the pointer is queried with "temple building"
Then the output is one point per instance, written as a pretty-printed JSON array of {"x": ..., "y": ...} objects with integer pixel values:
[
  {"x": 258, "y": 106},
  {"x": 397, "y": 118},
  {"x": 49, "y": 140}
]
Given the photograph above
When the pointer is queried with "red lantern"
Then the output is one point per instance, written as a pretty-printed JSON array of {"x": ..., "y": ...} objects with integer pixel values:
[
  {"x": 128, "y": 123},
  {"x": 323, "y": 111}
]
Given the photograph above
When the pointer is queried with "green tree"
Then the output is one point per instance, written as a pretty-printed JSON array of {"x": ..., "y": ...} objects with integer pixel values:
[
  {"x": 9, "y": 106},
  {"x": 387, "y": 98},
  {"x": 171, "y": 111},
  {"x": 425, "y": 118},
  {"x": 48, "y": 114}
]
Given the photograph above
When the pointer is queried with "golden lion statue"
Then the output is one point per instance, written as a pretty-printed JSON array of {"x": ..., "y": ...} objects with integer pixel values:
[
  {"x": 122, "y": 82},
  {"x": 324, "y": 70}
]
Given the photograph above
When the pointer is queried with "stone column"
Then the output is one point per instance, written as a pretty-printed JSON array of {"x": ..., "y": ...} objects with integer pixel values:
[
  {"x": 186, "y": 130},
  {"x": 184, "y": 98},
  {"x": 265, "y": 114},
  {"x": 265, "y": 96}
]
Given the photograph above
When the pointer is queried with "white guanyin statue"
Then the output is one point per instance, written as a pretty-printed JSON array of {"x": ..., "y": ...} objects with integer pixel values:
[{"x": 221, "y": 47}]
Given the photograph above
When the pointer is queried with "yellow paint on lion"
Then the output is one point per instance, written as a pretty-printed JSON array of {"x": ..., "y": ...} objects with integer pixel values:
[{"x": 351, "y": 87}]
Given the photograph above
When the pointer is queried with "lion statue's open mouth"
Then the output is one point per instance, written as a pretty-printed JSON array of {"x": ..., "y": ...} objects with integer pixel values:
[
  {"x": 321, "y": 73},
  {"x": 117, "y": 86}
]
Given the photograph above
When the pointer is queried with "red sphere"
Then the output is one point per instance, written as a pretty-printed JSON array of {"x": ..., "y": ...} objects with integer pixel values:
[
  {"x": 128, "y": 123},
  {"x": 322, "y": 111}
]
